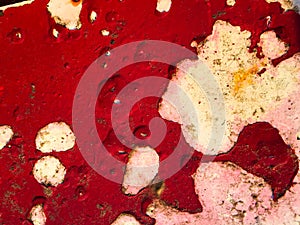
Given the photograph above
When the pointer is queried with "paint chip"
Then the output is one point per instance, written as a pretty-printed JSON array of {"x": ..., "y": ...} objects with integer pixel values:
[
  {"x": 225, "y": 189},
  {"x": 163, "y": 5},
  {"x": 231, "y": 195},
  {"x": 125, "y": 219},
  {"x": 56, "y": 136},
  {"x": 6, "y": 133},
  {"x": 55, "y": 33},
  {"x": 141, "y": 169},
  {"x": 285, "y": 4},
  {"x": 105, "y": 32},
  {"x": 66, "y": 13},
  {"x": 272, "y": 47},
  {"x": 49, "y": 171},
  {"x": 248, "y": 97},
  {"x": 230, "y": 2},
  {"x": 37, "y": 215},
  {"x": 18, "y": 4},
  {"x": 93, "y": 16}
]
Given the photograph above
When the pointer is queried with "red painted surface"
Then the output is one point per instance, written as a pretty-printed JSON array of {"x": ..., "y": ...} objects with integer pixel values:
[{"x": 54, "y": 67}]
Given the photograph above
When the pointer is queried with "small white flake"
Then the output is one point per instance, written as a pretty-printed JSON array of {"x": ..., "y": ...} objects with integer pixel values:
[
  {"x": 37, "y": 215},
  {"x": 230, "y": 2},
  {"x": 55, "y": 33},
  {"x": 163, "y": 5},
  {"x": 56, "y": 136},
  {"x": 105, "y": 32},
  {"x": 66, "y": 13},
  {"x": 6, "y": 134},
  {"x": 49, "y": 171},
  {"x": 141, "y": 169},
  {"x": 93, "y": 16},
  {"x": 125, "y": 219}
]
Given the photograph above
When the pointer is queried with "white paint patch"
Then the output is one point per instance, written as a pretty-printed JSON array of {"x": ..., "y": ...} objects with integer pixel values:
[
  {"x": 230, "y": 2},
  {"x": 49, "y": 171},
  {"x": 93, "y": 16},
  {"x": 56, "y": 136},
  {"x": 285, "y": 4},
  {"x": 105, "y": 32},
  {"x": 272, "y": 46},
  {"x": 163, "y": 5},
  {"x": 230, "y": 195},
  {"x": 55, "y": 33},
  {"x": 37, "y": 215},
  {"x": 125, "y": 219},
  {"x": 248, "y": 97},
  {"x": 6, "y": 134},
  {"x": 141, "y": 169},
  {"x": 66, "y": 13},
  {"x": 18, "y": 4}
]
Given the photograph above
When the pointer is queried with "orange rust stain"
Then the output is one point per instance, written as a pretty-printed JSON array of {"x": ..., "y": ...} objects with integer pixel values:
[
  {"x": 243, "y": 77},
  {"x": 75, "y": 2}
]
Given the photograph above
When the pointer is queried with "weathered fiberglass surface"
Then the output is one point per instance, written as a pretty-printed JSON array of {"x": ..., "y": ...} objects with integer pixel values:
[{"x": 149, "y": 112}]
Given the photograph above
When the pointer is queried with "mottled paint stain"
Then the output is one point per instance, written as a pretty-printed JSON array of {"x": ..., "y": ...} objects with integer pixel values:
[{"x": 54, "y": 63}]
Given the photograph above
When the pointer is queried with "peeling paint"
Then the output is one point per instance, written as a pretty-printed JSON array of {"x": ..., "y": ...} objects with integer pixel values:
[
  {"x": 49, "y": 171},
  {"x": 6, "y": 133},
  {"x": 285, "y": 4},
  {"x": 249, "y": 97},
  {"x": 272, "y": 47},
  {"x": 55, "y": 33},
  {"x": 105, "y": 32},
  {"x": 125, "y": 219},
  {"x": 93, "y": 16},
  {"x": 141, "y": 169},
  {"x": 66, "y": 13},
  {"x": 163, "y": 5},
  {"x": 18, "y": 4},
  {"x": 230, "y": 2},
  {"x": 56, "y": 136},
  {"x": 37, "y": 215},
  {"x": 230, "y": 195}
]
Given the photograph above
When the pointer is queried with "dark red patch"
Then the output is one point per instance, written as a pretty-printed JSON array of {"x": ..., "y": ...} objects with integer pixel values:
[{"x": 261, "y": 151}]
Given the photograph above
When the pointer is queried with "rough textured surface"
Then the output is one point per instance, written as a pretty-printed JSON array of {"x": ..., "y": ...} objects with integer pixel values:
[
  {"x": 37, "y": 86},
  {"x": 66, "y": 12},
  {"x": 230, "y": 2},
  {"x": 125, "y": 219},
  {"x": 6, "y": 134},
  {"x": 285, "y": 4},
  {"x": 49, "y": 171},
  {"x": 141, "y": 169},
  {"x": 230, "y": 195},
  {"x": 37, "y": 215},
  {"x": 17, "y": 4},
  {"x": 56, "y": 136},
  {"x": 272, "y": 47},
  {"x": 253, "y": 88},
  {"x": 261, "y": 151}
]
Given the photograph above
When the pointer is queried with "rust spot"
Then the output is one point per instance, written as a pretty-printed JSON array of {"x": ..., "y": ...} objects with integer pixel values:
[
  {"x": 243, "y": 77},
  {"x": 75, "y": 2}
]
